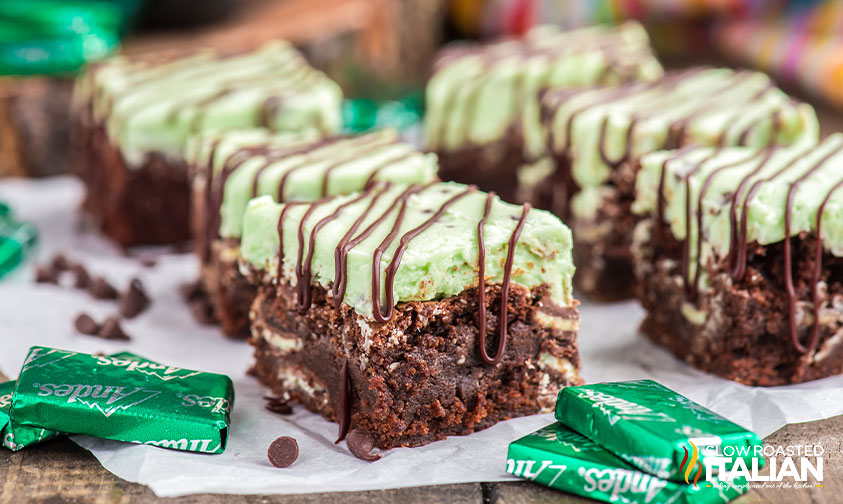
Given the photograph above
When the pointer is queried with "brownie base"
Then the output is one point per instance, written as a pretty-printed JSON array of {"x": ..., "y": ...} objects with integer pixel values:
[
  {"x": 34, "y": 126},
  {"x": 602, "y": 242},
  {"x": 739, "y": 330},
  {"x": 491, "y": 167},
  {"x": 140, "y": 205},
  {"x": 229, "y": 292},
  {"x": 419, "y": 377}
]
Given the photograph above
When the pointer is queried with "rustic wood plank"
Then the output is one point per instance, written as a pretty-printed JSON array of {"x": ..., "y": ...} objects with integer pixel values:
[{"x": 60, "y": 472}]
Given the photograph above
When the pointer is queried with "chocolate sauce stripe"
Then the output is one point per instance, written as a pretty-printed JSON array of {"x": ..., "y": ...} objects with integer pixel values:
[
  {"x": 303, "y": 270},
  {"x": 349, "y": 241},
  {"x": 392, "y": 268},
  {"x": 815, "y": 279},
  {"x": 275, "y": 155},
  {"x": 788, "y": 260},
  {"x": 767, "y": 154}
]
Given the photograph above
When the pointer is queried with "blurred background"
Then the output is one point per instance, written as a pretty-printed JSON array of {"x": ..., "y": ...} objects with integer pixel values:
[{"x": 380, "y": 51}]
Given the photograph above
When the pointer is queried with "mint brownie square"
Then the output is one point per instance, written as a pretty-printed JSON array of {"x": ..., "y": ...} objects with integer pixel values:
[
  {"x": 230, "y": 168},
  {"x": 739, "y": 259},
  {"x": 134, "y": 116},
  {"x": 483, "y": 115},
  {"x": 597, "y": 136},
  {"x": 412, "y": 312}
]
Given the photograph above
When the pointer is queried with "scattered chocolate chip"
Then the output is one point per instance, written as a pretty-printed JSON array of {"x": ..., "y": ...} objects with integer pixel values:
[
  {"x": 111, "y": 330},
  {"x": 191, "y": 291},
  {"x": 46, "y": 274},
  {"x": 278, "y": 405},
  {"x": 81, "y": 278},
  {"x": 149, "y": 261},
  {"x": 360, "y": 444},
  {"x": 135, "y": 300},
  {"x": 86, "y": 325},
  {"x": 101, "y": 289},
  {"x": 203, "y": 312},
  {"x": 60, "y": 263},
  {"x": 283, "y": 451}
]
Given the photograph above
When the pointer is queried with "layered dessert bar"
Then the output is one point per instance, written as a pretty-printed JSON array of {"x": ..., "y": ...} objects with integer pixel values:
[
  {"x": 597, "y": 136},
  {"x": 482, "y": 101},
  {"x": 740, "y": 259},
  {"x": 229, "y": 168},
  {"x": 134, "y": 116},
  {"x": 412, "y": 312}
]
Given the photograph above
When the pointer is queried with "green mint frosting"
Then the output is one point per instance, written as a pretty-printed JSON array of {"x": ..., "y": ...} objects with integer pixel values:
[
  {"x": 478, "y": 92},
  {"x": 766, "y": 208},
  {"x": 304, "y": 159},
  {"x": 155, "y": 107},
  {"x": 440, "y": 262},
  {"x": 709, "y": 106}
]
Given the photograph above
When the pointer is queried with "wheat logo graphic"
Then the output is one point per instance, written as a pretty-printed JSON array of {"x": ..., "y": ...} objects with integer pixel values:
[{"x": 688, "y": 469}]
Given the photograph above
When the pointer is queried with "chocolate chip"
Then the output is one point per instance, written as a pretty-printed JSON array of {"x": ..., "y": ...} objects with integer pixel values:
[
  {"x": 278, "y": 405},
  {"x": 101, "y": 289},
  {"x": 149, "y": 261},
  {"x": 203, "y": 311},
  {"x": 191, "y": 291},
  {"x": 283, "y": 451},
  {"x": 111, "y": 330},
  {"x": 81, "y": 278},
  {"x": 135, "y": 300},
  {"x": 60, "y": 263},
  {"x": 86, "y": 325},
  {"x": 360, "y": 444},
  {"x": 46, "y": 274}
]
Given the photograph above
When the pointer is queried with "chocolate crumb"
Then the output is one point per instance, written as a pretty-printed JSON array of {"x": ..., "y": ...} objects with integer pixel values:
[
  {"x": 111, "y": 330},
  {"x": 135, "y": 300},
  {"x": 283, "y": 451},
  {"x": 101, "y": 289},
  {"x": 278, "y": 405},
  {"x": 360, "y": 444},
  {"x": 81, "y": 278},
  {"x": 86, "y": 325},
  {"x": 46, "y": 274},
  {"x": 60, "y": 263}
]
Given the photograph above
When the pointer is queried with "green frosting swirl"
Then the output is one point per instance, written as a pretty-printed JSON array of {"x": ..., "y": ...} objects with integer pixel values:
[
  {"x": 155, "y": 107},
  {"x": 303, "y": 160},
  {"x": 707, "y": 106},
  {"x": 725, "y": 170},
  {"x": 478, "y": 92},
  {"x": 440, "y": 262}
]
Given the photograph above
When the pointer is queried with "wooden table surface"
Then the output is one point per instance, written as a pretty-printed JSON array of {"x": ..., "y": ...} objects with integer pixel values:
[{"x": 58, "y": 472}]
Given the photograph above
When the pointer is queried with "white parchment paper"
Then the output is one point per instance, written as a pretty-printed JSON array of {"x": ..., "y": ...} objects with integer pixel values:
[{"x": 42, "y": 315}]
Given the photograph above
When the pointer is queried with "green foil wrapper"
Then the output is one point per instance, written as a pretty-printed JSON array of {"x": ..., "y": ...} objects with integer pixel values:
[
  {"x": 18, "y": 437},
  {"x": 123, "y": 397},
  {"x": 558, "y": 457},
  {"x": 654, "y": 428},
  {"x": 16, "y": 239}
]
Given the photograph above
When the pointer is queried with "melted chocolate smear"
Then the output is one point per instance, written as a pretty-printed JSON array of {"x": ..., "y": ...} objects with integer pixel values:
[
  {"x": 361, "y": 443},
  {"x": 344, "y": 402}
]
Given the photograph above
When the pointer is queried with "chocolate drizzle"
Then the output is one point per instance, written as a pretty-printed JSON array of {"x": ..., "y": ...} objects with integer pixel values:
[
  {"x": 481, "y": 288},
  {"x": 392, "y": 269},
  {"x": 738, "y": 232},
  {"x": 344, "y": 402}
]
